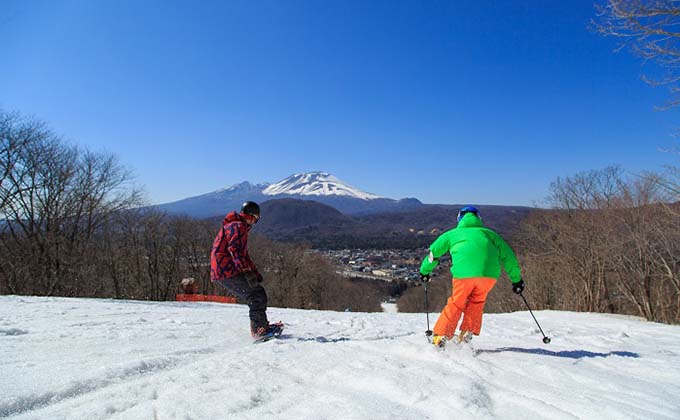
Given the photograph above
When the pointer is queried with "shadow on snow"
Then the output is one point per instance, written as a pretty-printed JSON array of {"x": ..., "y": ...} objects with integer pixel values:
[
  {"x": 319, "y": 339},
  {"x": 322, "y": 339},
  {"x": 569, "y": 354}
]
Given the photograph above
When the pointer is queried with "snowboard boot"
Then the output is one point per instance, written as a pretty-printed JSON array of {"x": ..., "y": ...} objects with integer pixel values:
[
  {"x": 258, "y": 332},
  {"x": 261, "y": 334}
]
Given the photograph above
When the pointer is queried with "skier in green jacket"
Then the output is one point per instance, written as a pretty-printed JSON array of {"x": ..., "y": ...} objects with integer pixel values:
[{"x": 477, "y": 254}]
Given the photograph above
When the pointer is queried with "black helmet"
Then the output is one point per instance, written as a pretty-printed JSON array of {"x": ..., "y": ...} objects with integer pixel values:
[{"x": 251, "y": 208}]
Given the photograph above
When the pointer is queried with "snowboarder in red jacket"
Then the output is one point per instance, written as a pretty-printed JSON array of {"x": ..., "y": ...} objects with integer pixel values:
[{"x": 232, "y": 268}]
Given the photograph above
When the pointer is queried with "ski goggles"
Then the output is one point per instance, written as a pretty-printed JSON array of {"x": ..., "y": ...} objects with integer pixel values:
[{"x": 253, "y": 218}]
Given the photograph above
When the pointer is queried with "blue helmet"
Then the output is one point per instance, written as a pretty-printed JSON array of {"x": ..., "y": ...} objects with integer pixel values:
[{"x": 468, "y": 209}]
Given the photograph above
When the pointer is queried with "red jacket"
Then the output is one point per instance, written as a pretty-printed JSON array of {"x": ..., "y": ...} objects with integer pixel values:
[{"x": 229, "y": 256}]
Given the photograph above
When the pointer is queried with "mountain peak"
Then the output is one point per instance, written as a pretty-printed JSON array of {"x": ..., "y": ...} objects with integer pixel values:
[
  {"x": 316, "y": 184},
  {"x": 243, "y": 186}
]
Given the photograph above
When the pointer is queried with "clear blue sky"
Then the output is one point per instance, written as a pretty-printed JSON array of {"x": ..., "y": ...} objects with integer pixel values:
[{"x": 447, "y": 101}]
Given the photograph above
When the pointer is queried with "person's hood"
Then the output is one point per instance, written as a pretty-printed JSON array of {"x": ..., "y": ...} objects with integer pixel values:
[
  {"x": 470, "y": 220},
  {"x": 233, "y": 216}
]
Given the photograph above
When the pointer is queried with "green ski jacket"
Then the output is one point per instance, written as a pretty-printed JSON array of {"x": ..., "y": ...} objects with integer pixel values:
[{"x": 475, "y": 250}]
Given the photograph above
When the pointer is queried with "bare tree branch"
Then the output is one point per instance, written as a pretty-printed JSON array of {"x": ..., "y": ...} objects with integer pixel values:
[{"x": 651, "y": 29}]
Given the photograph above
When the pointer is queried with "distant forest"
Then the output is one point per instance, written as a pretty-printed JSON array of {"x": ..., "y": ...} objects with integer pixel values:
[{"x": 72, "y": 224}]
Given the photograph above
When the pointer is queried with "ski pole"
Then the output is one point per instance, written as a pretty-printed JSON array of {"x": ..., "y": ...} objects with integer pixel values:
[
  {"x": 428, "y": 332},
  {"x": 546, "y": 339}
]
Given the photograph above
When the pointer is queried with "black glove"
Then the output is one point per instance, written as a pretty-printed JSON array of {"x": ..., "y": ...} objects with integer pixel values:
[
  {"x": 260, "y": 279},
  {"x": 424, "y": 278},
  {"x": 518, "y": 287}
]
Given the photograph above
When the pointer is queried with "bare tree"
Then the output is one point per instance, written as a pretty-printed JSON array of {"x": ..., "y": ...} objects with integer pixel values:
[
  {"x": 611, "y": 244},
  {"x": 590, "y": 190},
  {"x": 16, "y": 134},
  {"x": 55, "y": 197},
  {"x": 651, "y": 28}
]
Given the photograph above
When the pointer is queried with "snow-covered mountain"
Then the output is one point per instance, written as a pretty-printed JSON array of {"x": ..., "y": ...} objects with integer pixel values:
[
  {"x": 316, "y": 184},
  {"x": 217, "y": 202},
  {"x": 65, "y": 358},
  {"x": 244, "y": 187}
]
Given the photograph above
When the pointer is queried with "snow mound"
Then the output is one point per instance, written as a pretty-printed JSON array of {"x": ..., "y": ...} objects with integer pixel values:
[{"x": 105, "y": 359}]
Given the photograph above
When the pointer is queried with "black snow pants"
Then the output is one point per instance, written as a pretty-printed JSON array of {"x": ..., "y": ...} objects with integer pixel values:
[{"x": 253, "y": 294}]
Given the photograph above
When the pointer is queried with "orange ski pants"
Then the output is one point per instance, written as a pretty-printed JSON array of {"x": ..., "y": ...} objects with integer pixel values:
[{"x": 468, "y": 298}]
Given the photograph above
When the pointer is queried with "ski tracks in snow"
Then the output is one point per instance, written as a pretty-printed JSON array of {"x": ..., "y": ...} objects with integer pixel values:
[
  {"x": 110, "y": 377},
  {"x": 102, "y": 359},
  {"x": 60, "y": 365}
]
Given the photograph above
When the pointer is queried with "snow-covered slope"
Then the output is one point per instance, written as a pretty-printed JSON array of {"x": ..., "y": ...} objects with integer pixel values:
[
  {"x": 316, "y": 184},
  {"x": 103, "y": 359}
]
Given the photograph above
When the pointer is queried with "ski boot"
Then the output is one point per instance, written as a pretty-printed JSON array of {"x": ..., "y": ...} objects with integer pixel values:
[
  {"x": 464, "y": 337},
  {"x": 439, "y": 341}
]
